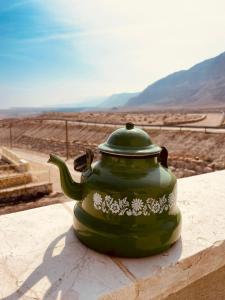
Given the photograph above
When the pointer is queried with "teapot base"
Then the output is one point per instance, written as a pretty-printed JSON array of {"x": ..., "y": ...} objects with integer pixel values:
[
  {"x": 118, "y": 252},
  {"x": 124, "y": 244}
]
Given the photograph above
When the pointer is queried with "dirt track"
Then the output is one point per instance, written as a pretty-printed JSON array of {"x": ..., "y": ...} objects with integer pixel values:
[{"x": 212, "y": 119}]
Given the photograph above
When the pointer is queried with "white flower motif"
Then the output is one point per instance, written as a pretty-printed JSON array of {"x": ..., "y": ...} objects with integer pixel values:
[
  {"x": 172, "y": 197},
  {"x": 97, "y": 200},
  {"x": 162, "y": 203},
  {"x": 166, "y": 207},
  {"x": 129, "y": 212},
  {"x": 123, "y": 203},
  {"x": 149, "y": 203},
  {"x": 145, "y": 210},
  {"x": 171, "y": 200},
  {"x": 108, "y": 200},
  {"x": 104, "y": 209},
  {"x": 137, "y": 204},
  {"x": 136, "y": 212},
  {"x": 115, "y": 207},
  {"x": 155, "y": 207},
  {"x": 136, "y": 207},
  {"x": 163, "y": 200}
]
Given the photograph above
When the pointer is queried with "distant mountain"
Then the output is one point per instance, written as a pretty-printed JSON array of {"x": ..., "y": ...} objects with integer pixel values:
[
  {"x": 86, "y": 102},
  {"x": 96, "y": 103},
  {"x": 116, "y": 100},
  {"x": 203, "y": 85}
]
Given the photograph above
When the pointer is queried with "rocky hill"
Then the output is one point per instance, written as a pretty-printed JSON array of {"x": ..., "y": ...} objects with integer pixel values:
[{"x": 203, "y": 85}]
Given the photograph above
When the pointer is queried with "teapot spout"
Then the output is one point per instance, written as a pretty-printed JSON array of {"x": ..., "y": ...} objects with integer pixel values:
[{"x": 70, "y": 188}]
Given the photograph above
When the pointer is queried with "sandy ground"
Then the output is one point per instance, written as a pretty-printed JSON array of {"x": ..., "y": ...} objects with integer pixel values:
[
  {"x": 147, "y": 118},
  {"x": 212, "y": 119}
]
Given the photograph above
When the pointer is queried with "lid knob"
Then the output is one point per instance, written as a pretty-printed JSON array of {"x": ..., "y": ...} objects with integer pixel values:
[{"x": 129, "y": 125}]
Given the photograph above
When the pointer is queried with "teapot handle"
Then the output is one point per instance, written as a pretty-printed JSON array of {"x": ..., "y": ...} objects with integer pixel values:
[
  {"x": 83, "y": 162},
  {"x": 163, "y": 156}
]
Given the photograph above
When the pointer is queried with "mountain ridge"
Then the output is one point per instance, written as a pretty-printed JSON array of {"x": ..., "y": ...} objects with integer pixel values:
[{"x": 202, "y": 84}]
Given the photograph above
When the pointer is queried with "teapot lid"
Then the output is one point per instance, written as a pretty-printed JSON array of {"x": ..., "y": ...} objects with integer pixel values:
[{"x": 129, "y": 141}]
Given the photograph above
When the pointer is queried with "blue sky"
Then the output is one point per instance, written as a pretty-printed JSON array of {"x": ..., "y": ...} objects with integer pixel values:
[
  {"x": 27, "y": 49},
  {"x": 62, "y": 51}
]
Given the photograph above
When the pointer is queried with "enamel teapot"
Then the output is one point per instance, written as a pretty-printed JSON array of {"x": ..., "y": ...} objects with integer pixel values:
[{"x": 126, "y": 201}]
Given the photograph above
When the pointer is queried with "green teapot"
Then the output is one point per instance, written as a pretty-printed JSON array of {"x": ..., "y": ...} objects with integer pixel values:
[{"x": 126, "y": 201}]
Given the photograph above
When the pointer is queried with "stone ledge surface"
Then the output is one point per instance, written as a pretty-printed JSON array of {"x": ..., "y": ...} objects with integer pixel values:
[{"x": 41, "y": 258}]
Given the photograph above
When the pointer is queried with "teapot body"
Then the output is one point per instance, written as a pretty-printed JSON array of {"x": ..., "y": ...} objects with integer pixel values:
[
  {"x": 128, "y": 207},
  {"x": 126, "y": 200}
]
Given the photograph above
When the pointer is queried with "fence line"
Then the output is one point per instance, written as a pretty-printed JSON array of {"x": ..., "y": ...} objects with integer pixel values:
[
  {"x": 67, "y": 140},
  {"x": 112, "y": 123},
  {"x": 13, "y": 140}
]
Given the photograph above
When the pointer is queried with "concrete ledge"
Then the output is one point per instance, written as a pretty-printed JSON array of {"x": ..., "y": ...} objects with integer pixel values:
[
  {"x": 209, "y": 287},
  {"x": 19, "y": 164},
  {"x": 41, "y": 258},
  {"x": 176, "y": 277}
]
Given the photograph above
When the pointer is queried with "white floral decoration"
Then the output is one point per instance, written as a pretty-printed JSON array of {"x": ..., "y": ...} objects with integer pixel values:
[
  {"x": 115, "y": 208},
  {"x": 137, "y": 204},
  {"x": 156, "y": 208},
  {"x": 135, "y": 207},
  {"x": 97, "y": 198}
]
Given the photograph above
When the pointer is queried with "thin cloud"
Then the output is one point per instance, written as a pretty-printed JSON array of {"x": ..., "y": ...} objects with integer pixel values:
[{"x": 88, "y": 33}]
